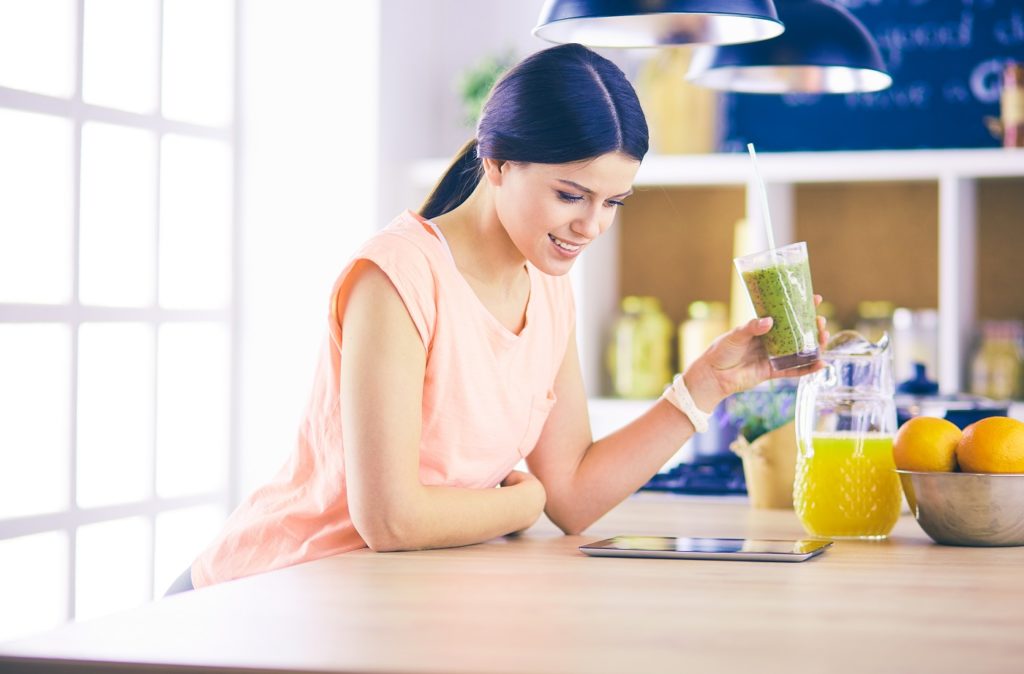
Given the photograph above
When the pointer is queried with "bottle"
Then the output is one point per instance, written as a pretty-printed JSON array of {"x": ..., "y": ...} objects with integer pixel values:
[
  {"x": 874, "y": 319},
  {"x": 639, "y": 356},
  {"x": 707, "y": 321},
  {"x": 998, "y": 362},
  {"x": 682, "y": 117},
  {"x": 915, "y": 340},
  {"x": 1011, "y": 105}
]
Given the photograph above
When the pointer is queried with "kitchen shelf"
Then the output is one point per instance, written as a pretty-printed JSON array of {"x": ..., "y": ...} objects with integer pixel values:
[
  {"x": 806, "y": 167},
  {"x": 938, "y": 228}
]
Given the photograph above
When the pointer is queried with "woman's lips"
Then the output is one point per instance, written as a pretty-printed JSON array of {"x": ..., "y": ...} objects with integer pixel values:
[{"x": 565, "y": 247}]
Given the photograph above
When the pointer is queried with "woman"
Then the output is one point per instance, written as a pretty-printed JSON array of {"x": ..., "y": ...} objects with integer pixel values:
[{"x": 452, "y": 349}]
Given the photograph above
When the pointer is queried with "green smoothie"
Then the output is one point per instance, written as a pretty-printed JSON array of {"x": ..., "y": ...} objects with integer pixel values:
[{"x": 783, "y": 291}]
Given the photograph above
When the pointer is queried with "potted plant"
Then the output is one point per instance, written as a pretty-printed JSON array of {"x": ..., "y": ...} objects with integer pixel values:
[
  {"x": 475, "y": 84},
  {"x": 766, "y": 442}
]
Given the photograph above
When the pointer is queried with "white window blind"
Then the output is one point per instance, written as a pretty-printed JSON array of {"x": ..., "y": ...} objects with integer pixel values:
[
  {"x": 138, "y": 354},
  {"x": 118, "y": 315}
]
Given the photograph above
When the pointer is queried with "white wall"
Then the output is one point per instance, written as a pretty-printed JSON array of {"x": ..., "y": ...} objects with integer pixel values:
[
  {"x": 425, "y": 46},
  {"x": 309, "y": 126}
]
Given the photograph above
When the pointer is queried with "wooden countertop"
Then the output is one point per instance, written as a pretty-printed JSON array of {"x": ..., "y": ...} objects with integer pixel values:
[{"x": 535, "y": 604}]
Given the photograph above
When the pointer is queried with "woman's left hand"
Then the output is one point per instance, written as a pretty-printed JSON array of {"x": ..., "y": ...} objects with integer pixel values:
[{"x": 737, "y": 361}]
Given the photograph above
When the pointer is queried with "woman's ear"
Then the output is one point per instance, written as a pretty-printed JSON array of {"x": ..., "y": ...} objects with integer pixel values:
[{"x": 492, "y": 170}]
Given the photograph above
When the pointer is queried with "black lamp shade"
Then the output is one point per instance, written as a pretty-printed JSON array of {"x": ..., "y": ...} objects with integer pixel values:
[
  {"x": 824, "y": 49},
  {"x": 657, "y": 23}
]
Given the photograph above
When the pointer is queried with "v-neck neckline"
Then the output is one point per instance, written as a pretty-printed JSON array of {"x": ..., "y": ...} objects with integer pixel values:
[{"x": 500, "y": 328}]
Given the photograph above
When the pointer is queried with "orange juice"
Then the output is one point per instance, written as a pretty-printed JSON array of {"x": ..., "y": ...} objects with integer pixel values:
[{"x": 846, "y": 486}]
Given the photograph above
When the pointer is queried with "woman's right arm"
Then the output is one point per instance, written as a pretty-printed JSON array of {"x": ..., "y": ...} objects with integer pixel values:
[{"x": 383, "y": 364}]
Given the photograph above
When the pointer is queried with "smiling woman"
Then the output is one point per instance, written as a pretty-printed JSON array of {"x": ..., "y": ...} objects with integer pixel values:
[
  {"x": 451, "y": 349},
  {"x": 453, "y": 278},
  {"x": 451, "y": 353}
]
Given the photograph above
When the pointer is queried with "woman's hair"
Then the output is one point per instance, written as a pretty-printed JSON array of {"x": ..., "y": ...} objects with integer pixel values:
[{"x": 559, "y": 105}]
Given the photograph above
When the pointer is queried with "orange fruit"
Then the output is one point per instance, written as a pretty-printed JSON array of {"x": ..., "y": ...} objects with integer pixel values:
[
  {"x": 926, "y": 443},
  {"x": 992, "y": 445}
]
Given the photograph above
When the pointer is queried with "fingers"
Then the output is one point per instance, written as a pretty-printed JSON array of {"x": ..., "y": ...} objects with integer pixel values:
[
  {"x": 513, "y": 478},
  {"x": 517, "y": 477},
  {"x": 738, "y": 339},
  {"x": 823, "y": 334},
  {"x": 759, "y": 326}
]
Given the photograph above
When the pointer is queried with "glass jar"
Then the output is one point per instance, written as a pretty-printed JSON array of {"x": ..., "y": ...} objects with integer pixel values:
[
  {"x": 874, "y": 318},
  {"x": 846, "y": 485},
  {"x": 708, "y": 320},
  {"x": 915, "y": 341},
  {"x": 998, "y": 364},
  {"x": 640, "y": 353}
]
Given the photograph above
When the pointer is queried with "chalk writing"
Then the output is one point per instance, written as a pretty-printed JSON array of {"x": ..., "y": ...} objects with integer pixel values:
[{"x": 946, "y": 58}]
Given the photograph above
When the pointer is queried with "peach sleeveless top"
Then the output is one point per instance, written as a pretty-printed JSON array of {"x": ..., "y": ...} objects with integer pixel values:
[{"x": 486, "y": 395}]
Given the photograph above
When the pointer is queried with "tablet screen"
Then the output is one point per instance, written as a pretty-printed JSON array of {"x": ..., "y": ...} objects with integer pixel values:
[
  {"x": 673, "y": 543},
  {"x": 708, "y": 548}
]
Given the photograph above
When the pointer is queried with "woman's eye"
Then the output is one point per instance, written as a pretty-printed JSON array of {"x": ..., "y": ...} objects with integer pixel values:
[
  {"x": 613, "y": 202},
  {"x": 569, "y": 198}
]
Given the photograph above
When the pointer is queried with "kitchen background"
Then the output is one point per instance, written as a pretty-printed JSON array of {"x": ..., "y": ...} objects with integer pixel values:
[{"x": 181, "y": 180}]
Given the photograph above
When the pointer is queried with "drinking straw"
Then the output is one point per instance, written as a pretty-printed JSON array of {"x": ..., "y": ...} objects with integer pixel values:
[{"x": 766, "y": 217}]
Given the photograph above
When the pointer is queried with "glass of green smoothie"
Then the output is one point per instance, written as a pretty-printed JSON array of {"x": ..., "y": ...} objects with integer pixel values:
[{"x": 779, "y": 285}]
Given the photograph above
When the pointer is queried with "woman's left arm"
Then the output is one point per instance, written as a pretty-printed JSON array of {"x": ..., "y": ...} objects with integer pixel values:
[{"x": 585, "y": 479}]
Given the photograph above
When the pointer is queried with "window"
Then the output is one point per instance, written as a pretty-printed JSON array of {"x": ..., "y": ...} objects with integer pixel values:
[{"x": 117, "y": 299}]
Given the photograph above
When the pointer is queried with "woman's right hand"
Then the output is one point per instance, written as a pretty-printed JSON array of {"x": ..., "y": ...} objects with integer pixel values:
[
  {"x": 536, "y": 497},
  {"x": 738, "y": 361}
]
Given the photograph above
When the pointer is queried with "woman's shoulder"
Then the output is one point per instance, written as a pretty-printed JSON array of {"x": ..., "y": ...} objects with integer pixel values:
[
  {"x": 406, "y": 234},
  {"x": 405, "y": 248},
  {"x": 404, "y": 253}
]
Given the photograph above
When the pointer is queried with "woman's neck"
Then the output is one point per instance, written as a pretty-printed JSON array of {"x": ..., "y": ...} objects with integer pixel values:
[{"x": 480, "y": 245}]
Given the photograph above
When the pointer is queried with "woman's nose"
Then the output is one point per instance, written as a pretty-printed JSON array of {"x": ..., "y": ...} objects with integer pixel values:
[{"x": 589, "y": 226}]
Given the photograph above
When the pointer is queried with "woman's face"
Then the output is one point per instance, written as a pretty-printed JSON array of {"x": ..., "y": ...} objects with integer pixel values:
[{"x": 553, "y": 211}]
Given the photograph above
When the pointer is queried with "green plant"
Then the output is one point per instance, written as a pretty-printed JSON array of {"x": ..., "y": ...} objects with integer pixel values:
[
  {"x": 475, "y": 84},
  {"x": 761, "y": 409}
]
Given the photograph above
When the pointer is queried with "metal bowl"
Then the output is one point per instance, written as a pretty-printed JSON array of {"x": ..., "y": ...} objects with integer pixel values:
[{"x": 978, "y": 509}]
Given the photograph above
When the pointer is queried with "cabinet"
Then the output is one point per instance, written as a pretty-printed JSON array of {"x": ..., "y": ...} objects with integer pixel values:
[{"x": 923, "y": 228}]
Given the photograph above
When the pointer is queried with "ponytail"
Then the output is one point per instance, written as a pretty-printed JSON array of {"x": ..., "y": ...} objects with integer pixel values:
[{"x": 457, "y": 183}]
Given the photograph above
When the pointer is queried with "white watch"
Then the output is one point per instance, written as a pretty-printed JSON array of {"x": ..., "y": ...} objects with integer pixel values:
[{"x": 680, "y": 398}]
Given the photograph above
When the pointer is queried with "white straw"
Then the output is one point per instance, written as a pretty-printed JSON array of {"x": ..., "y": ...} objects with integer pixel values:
[{"x": 766, "y": 217}]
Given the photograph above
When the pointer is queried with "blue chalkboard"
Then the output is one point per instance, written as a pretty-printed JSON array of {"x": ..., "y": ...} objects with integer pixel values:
[{"x": 946, "y": 58}]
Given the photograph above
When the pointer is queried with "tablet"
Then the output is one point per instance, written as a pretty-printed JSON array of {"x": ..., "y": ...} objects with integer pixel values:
[{"x": 742, "y": 549}]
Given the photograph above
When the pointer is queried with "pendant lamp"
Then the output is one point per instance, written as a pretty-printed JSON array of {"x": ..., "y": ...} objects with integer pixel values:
[
  {"x": 657, "y": 23},
  {"x": 824, "y": 49}
]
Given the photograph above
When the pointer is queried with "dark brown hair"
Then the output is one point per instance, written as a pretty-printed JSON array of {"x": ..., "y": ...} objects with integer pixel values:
[{"x": 558, "y": 105}]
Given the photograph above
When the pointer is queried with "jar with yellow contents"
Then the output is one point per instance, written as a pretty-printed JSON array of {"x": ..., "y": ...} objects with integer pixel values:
[
  {"x": 639, "y": 355},
  {"x": 846, "y": 484}
]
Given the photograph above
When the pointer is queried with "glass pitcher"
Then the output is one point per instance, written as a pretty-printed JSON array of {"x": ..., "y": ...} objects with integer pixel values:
[{"x": 846, "y": 485}]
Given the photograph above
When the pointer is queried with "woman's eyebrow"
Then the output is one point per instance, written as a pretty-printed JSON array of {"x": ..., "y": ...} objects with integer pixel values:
[{"x": 587, "y": 190}]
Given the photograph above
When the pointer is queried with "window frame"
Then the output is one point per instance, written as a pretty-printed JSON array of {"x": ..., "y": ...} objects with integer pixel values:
[{"x": 73, "y": 314}]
